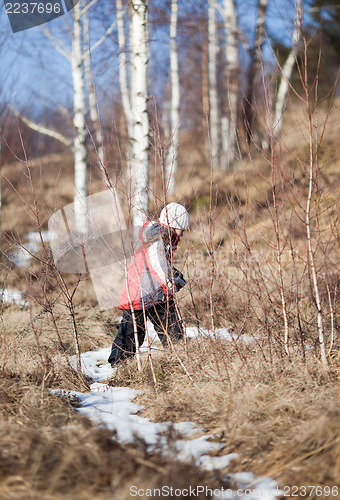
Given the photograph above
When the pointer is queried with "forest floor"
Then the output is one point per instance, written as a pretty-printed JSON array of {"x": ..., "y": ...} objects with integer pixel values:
[{"x": 280, "y": 414}]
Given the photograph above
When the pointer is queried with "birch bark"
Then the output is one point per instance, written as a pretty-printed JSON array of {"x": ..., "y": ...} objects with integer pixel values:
[
  {"x": 94, "y": 115},
  {"x": 229, "y": 119},
  {"x": 123, "y": 79},
  {"x": 140, "y": 118},
  {"x": 287, "y": 71},
  {"x": 212, "y": 76},
  {"x": 172, "y": 155},
  {"x": 80, "y": 160}
]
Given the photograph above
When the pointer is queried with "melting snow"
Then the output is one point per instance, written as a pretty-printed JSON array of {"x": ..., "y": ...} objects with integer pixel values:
[
  {"x": 22, "y": 255},
  {"x": 9, "y": 296},
  {"x": 113, "y": 407}
]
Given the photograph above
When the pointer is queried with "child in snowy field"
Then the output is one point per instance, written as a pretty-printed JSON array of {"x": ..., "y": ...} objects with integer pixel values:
[{"x": 150, "y": 284}]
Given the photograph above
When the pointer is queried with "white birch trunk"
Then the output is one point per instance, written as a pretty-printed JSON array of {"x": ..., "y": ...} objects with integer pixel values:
[
  {"x": 311, "y": 251},
  {"x": 212, "y": 78},
  {"x": 229, "y": 120},
  {"x": 123, "y": 80},
  {"x": 171, "y": 158},
  {"x": 140, "y": 125},
  {"x": 92, "y": 94},
  {"x": 287, "y": 71},
  {"x": 80, "y": 161}
]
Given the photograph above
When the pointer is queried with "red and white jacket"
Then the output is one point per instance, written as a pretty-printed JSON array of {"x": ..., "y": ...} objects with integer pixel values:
[{"x": 149, "y": 277}]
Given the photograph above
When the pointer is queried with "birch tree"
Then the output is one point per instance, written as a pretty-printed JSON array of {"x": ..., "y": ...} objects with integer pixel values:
[
  {"x": 81, "y": 71},
  {"x": 75, "y": 57},
  {"x": 79, "y": 58},
  {"x": 123, "y": 78},
  {"x": 229, "y": 118},
  {"x": 255, "y": 68},
  {"x": 172, "y": 154},
  {"x": 286, "y": 72},
  {"x": 139, "y": 99},
  {"x": 212, "y": 76},
  {"x": 79, "y": 145}
]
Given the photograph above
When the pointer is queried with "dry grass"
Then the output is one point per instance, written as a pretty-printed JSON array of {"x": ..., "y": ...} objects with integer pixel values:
[
  {"x": 82, "y": 462},
  {"x": 47, "y": 451},
  {"x": 283, "y": 419}
]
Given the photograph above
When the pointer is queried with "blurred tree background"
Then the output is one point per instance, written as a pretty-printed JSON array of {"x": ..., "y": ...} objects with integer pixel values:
[{"x": 241, "y": 66}]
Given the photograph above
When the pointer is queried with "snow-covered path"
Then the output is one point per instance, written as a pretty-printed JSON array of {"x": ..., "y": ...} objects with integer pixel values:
[{"x": 113, "y": 407}]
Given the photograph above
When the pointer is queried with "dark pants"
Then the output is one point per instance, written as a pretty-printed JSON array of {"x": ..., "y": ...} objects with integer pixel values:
[{"x": 165, "y": 320}]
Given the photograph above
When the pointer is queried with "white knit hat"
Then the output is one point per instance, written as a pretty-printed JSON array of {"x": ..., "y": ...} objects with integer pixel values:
[{"x": 175, "y": 215}]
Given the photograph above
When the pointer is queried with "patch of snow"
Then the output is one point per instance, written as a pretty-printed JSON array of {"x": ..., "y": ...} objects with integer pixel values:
[
  {"x": 22, "y": 255},
  {"x": 189, "y": 450},
  {"x": 94, "y": 364},
  {"x": 194, "y": 332},
  {"x": 251, "y": 488},
  {"x": 9, "y": 296},
  {"x": 212, "y": 463},
  {"x": 219, "y": 333},
  {"x": 113, "y": 407}
]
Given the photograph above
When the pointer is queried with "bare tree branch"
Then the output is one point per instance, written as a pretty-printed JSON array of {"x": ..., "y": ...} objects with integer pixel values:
[
  {"x": 44, "y": 130},
  {"x": 101, "y": 40},
  {"x": 87, "y": 7},
  {"x": 57, "y": 44}
]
